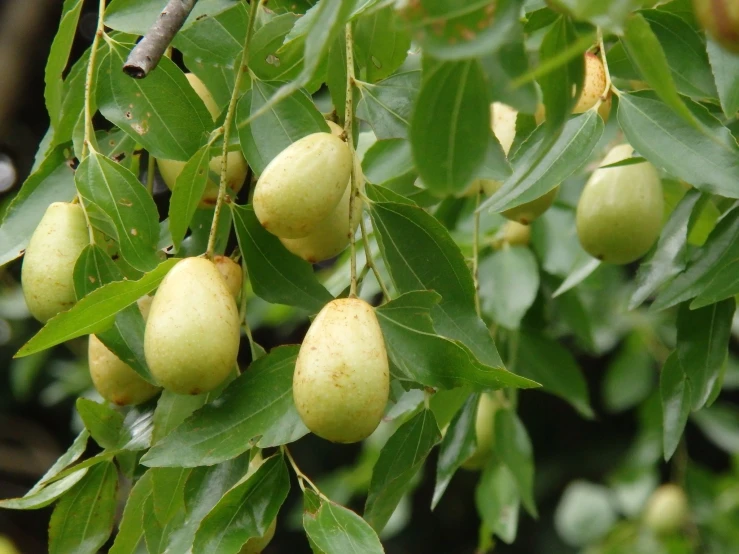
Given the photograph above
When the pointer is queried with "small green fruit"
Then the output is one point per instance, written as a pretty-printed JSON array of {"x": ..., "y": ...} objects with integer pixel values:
[
  {"x": 667, "y": 509},
  {"x": 513, "y": 233},
  {"x": 619, "y": 215},
  {"x": 525, "y": 213},
  {"x": 720, "y": 18},
  {"x": 7, "y": 546},
  {"x": 255, "y": 545},
  {"x": 231, "y": 273},
  {"x": 484, "y": 431},
  {"x": 302, "y": 185},
  {"x": 192, "y": 335},
  {"x": 342, "y": 378},
  {"x": 48, "y": 264}
]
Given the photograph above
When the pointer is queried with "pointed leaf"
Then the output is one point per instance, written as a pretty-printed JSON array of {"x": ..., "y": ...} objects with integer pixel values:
[
  {"x": 131, "y": 527},
  {"x": 387, "y": 105},
  {"x": 187, "y": 192},
  {"x": 509, "y": 281},
  {"x": 725, "y": 66},
  {"x": 497, "y": 501},
  {"x": 513, "y": 446},
  {"x": 675, "y": 393},
  {"x": 103, "y": 422},
  {"x": 334, "y": 529},
  {"x": 168, "y": 491},
  {"x": 381, "y": 44}
]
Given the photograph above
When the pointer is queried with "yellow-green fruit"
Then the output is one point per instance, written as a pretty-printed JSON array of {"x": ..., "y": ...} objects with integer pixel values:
[
  {"x": 604, "y": 110},
  {"x": 525, "y": 213},
  {"x": 302, "y": 185},
  {"x": 7, "y": 546},
  {"x": 594, "y": 84},
  {"x": 235, "y": 171},
  {"x": 667, "y": 509},
  {"x": 333, "y": 233},
  {"x": 48, "y": 264},
  {"x": 513, "y": 233},
  {"x": 484, "y": 431},
  {"x": 255, "y": 545},
  {"x": 336, "y": 129},
  {"x": 342, "y": 378},
  {"x": 619, "y": 215},
  {"x": 231, "y": 273},
  {"x": 720, "y": 18},
  {"x": 192, "y": 335}
]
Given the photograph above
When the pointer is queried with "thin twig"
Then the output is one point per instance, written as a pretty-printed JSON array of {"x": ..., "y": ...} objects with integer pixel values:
[
  {"x": 348, "y": 131},
  {"x": 370, "y": 261},
  {"x": 242, "y": 310},
  {"x": 475, "y": 251},
  {"x": 243, "y": 68},
  {"x": 146, "y": 54},
  {"x": 302, "y": 477}
]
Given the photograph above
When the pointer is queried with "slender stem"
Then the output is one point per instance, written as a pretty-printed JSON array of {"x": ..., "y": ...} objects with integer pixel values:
[
  {"x": 475, "y": 252},
  {"x": 150, "y": 175},
  {"x": 370, "y": 261},
  {"x": 242, "y": 311},
  {"x": 349, "y": 132},
  {"x": 302, "y": 477},
  {"x": 243, "y": 68}
]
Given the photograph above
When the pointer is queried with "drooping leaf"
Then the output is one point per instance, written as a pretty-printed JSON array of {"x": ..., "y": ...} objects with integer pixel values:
[
  {"x": 131, "y": 527},
  {"x": 334, "y": 529},
  {"x": 168, "y": 491},
  {"x": 513, "y": 447},
  {"x": 675, "y": 394},
  {"x": 43, "y": 496},
  {"x": 103, "y": 423},
  {"x": 387, "y": 105},
  {"x": 497, "y": 501},
  {"x": 188, "y": 190}
]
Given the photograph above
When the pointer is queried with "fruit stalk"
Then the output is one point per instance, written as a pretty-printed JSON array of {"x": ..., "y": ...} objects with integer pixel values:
[
  {"x": 348, "y": 131},
  {"x": 243, "y": 68},
  {"x": 476, "y": 250},
  {"x": 371, "y": 262}
]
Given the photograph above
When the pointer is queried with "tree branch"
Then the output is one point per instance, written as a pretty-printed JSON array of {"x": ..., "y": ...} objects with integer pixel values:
[{"x": 146, "y": 54}]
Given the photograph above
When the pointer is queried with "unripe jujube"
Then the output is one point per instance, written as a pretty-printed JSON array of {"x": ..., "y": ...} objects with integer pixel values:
[
  {"x": 47, "y": 275},
  {"x": 619, "y": 215},
  {"x": 720, "y": 19},
  {"x": 231, "y": 272},
  {"x": 302, "y": 185},
  {"x": 192, "y": 335},
  {"x": 667, "y": 509},
  {"x": 512, "y": 233},
  {"x": 484, "y": 432},
  {"x": 236, "y": 170},
  {"x": 342, "y": 378}
]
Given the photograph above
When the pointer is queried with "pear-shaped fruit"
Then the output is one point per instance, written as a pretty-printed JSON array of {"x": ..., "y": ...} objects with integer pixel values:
[
  {"x": 333, "y": 233},
  {"x": 342, "y": 378},
  {"x": 513, "y": 233},
  {"x": 235, "y": 171},
  {"x": 302, "y": 185},
  {"x": 720, "y": 19},
  {"x": 231, "y": 273},
  {"x": 192, "y": 335},
  {"x": 484, "y": 431},
  {"x": 256, "y": 545},
  {"x": 594, "y": 84},
  {"x": 619, "y": 215},
  {"x": 667, "y": 509},
  {"x": 48, "y": 265}
]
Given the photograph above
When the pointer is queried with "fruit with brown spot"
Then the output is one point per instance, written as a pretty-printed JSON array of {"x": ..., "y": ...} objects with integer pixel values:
[
  {"x": 231, "y": 272},
  {"x": 720, "y": 19}
]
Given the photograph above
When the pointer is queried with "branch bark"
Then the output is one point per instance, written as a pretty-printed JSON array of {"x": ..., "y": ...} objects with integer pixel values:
[{"x": 146, "y": 54}]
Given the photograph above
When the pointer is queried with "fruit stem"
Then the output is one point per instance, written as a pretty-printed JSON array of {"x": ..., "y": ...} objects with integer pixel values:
[
  {"x": 89, "y": 138},
  {"x": 476, "y": 251},
  {"x": 302, "y": 477},
  {"x": 242, "y": 311},
  {"x": 243, "y": 68},
  {"x": 370, "y": 261},
  {"x": 348, "y": 131}
]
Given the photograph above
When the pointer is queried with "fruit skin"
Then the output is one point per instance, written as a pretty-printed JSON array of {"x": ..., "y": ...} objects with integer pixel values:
[
  {"x": 7, "y": 546},
  {"x": 302, "y": 185},
  {"x": 667, "y": 509},
  {"x": 236, "y": 170},
  {"x": 619, "y": 215},
  {"x": 720, "y": 18},
  {"x": 333, "y": 233},
  {"x": 528, "y": 212},
  {"x": 513, "y": 233},
  {"x": 484, "y": 431},
  {"x": 594, "y": 84},
  {"x": 342, "y": 377},
  {"x": 48, "y": 264},
  {"x": 255, "y": 545},
  {"x": 231, "y": 272},
  {"x": 114, "y": 379},
  {"x": 192, "y": 334}
]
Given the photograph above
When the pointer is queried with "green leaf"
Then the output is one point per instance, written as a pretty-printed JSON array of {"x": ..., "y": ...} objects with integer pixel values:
[
  {"x": 509, "y": 281},
  {"x": 610, "y": 15},
  {"x": 83, "y": 519},
  {"x": 534, "y": 175},
  {"x": 72, "y": 100},
  {"x": 675, "y": 393},
  {"x": 513, "y": 447},
  {"x": 111, "y": 191},
  {"x": 172, "y": 409},
  {"x": 647, "y": 55},
  {"x": 702, "y": 345},
  {"x": 276, "y": 275},
  {"x": 265, "y": 43},
  {"x": 450, "y": 126},
  {"x": 103, "y": 422},
  {"x": 258, "y": 402},
  {"x": 216, "y": 40},
  {"x": 707, "y": 159},
  {"x": 249, "y": 508},
  {"x": 422, "y": 355},
  {"x": 334, "y": 529},
  {"x": 71, "y": 455},
  {"x": 131, "y": 527},
  {"x": 136, "y": 16},
  {"x": 387, "y": 105},
  {"x": 629, "y": 376},
  {"x": 709, "y": 275},
  {"x": 381, "y": 45},
  {"x": 497, "y": 501},
  {"x": 400, "y": 459},
  {"x": 163, "y": 112},
  {"x": 45, "y": 495},
  {"x": 157, "y": 534},
  {"x": 546, "y": 361},
  {"x": 56, "y": 62},
  {"x": 168, "y": 491},
  {"x": 458, "y": 444},
  {"x": 95, "y": 312},
  {"x": 137, "y": 428},
  {"x": 428, "y": 259},
  {"x": 387, "y": 160},
  {"x": 725, "y": 66},
  {"x": 583, "y": 268},
  {"x": 266, "y": 136},
  {"x": 52, "y": 181},
  {"x": 188, "y": 191},
  {"x": 720, "y": 423},
  {"x": 585, "y": 513},
  {"x": 502, "y": 68}
]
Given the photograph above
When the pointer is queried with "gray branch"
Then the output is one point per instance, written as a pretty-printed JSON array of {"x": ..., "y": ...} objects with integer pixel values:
[{"x": 146, "y": 54}]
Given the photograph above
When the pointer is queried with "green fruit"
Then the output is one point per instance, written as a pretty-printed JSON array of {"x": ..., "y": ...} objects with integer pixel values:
[
  {"x": 231, "y": 273},
  {"x": 484, "y": 431},
  {"x": 513, "y": 234},
  {"x": 192, "y": 335},
  {"x": 334, "y": 232},
  {"x": 7, "y": 546},
  {"x": 255, "y": 545},
  {"x": 667, "y": 509},
  {"x": 342, "y": 378},
  {"x": 235, "y": 171},
  {"x": 302, "y": 185},
  {"x": 619, "y": 215},
  {"x": 48, "y": 264},
  {"x": 525, "y": 213},
  {"x": 720, "y": 18}
]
